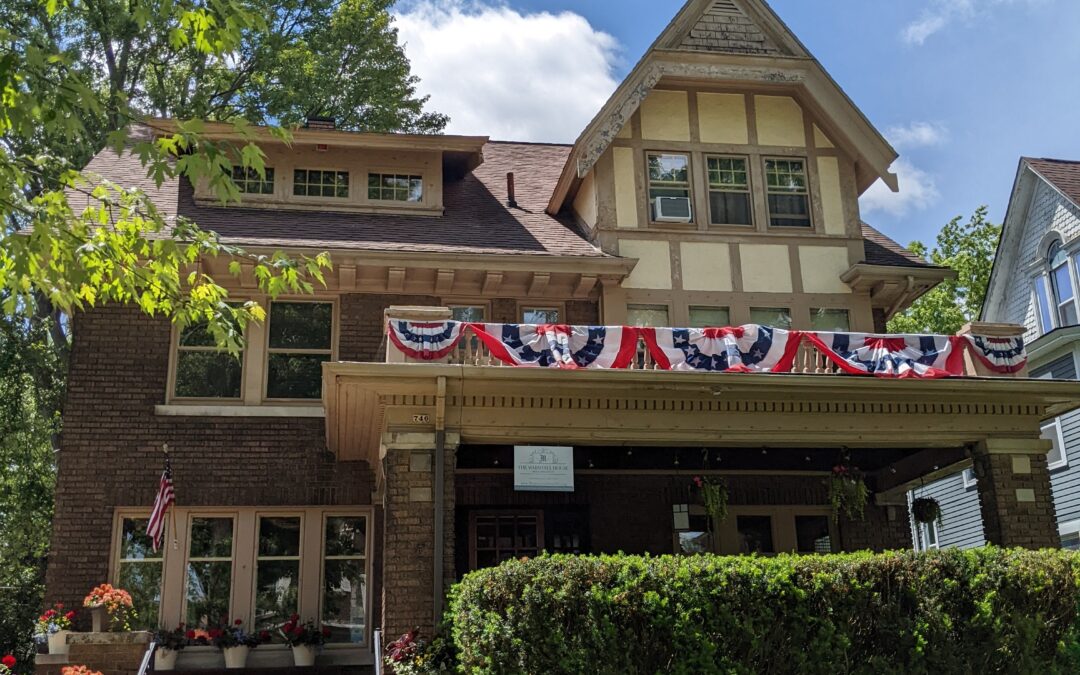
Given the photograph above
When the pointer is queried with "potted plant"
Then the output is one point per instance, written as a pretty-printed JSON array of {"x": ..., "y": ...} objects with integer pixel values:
[
  {"x": 411, "y": 655},
  {"x": 304, "y": 638},
  {"x": 110, "y": 608},
  {"x": 169, "y": 644},
  {"x": 7, "y": 664},
  {"x": 714, "y": 495},
  {"x": 78, "y": 670},
  {"x": 847, "y": 492},
  {"x": 53, "y": 627},
  {"x": 234, "y": 642},
  {"x": 926, "y": 510}
]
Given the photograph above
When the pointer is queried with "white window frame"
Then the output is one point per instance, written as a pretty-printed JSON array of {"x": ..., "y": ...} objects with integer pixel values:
[
  {"x": 259, "y": 516},
  {"x": 968, "y": 477},
  {"x": 925, "y": 529},
  {"x": 173, "y": 607},
  {"x": 117, "y": 542},
  {"x": 349, "y": 196},
  {"x": 396, "y": 173},
  {"x": 1038, "y": 301},
  {"x": 189, "y": 521},
  {"x": 1067, "y": 528},
  {"x": 1064, "y": 461},
  {"x": 661, "y": 185}
]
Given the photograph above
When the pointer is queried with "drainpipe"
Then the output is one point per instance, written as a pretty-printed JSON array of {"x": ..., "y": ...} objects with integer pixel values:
[{"x": 440, "y": 470}]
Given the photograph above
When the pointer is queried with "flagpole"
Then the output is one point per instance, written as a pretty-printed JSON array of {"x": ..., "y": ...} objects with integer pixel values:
[{"x": 168, "y": 465}]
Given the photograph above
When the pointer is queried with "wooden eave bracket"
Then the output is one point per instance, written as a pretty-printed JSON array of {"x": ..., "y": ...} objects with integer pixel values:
[
  {"x": 444, "y": 282},
  {"x": 586, "y": 283},
  {"x": 539, "y": 283},
  {"x": 492, "y": 283}
]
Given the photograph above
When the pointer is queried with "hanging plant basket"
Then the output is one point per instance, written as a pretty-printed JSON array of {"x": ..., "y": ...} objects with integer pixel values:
[
  {"x": 847, "y": 492},
  {"x": 926, "y": 510},
  {"x": 714, "y": 496}
]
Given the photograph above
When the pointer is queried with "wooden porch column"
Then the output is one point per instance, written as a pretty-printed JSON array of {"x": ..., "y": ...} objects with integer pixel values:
[
  {"x": 409, "y": 531},
  {"x": 1014, "y": 492}
]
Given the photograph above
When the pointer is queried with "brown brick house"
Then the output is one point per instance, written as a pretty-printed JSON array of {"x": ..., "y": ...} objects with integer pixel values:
[{"x": 328, "y": 473}]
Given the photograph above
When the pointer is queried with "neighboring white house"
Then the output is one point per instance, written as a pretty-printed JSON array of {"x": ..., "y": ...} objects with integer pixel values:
[{"x": 1035, "y": 283}]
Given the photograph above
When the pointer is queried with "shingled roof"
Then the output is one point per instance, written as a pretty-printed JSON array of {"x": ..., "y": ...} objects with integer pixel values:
[
  {"x": 477, "y": 219},
  {"x": 881, "y": 250},
  {"x": 1062, "y": 174}
]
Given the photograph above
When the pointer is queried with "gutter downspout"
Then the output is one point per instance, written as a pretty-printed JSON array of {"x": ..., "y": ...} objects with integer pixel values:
[{"x": 439, "y": 496}]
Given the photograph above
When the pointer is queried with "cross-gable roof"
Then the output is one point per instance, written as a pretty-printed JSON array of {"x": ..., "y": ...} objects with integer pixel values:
[{"x": 732, "y": 41}]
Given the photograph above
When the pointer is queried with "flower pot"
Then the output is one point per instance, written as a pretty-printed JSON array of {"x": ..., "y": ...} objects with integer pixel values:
[
  {"x": 304, "y": 655},
  {"x": 165, "y": 659},
  {"x": 100, "y": 619},
  {"x": 58, "y": 642},
  {"x": 236, "y": 657}
]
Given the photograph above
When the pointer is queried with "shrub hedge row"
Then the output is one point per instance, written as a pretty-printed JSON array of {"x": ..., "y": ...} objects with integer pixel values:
[{"x": 980, "y": 611}]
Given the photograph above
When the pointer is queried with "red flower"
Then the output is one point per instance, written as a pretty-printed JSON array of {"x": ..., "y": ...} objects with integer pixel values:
[
  {"x": 190, "y": 635},
  {"x": 50, "y": 613},
  {"x": 8, "y": 661},
  {"x": 298, "y": 630},
  {"x": 215, "y": 633},
  {"x": 70, "y": 616},
  {"x": 264, "y": 636},
  {"x": 294, "y": 618},
  {"x": 238, "y": 622},
  {"x": 59, "y": 605},
  {"x": 325, "y": 631}
]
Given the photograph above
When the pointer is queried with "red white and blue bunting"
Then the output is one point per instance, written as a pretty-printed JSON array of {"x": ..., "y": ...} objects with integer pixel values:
[
  {"x": 1001, "y": 355},
  {"x": 745, "y": 349},
  {"x": 426, "y": 341},
  {"x": 559, "y": 346},
  {"x": 903, "y": 356}
]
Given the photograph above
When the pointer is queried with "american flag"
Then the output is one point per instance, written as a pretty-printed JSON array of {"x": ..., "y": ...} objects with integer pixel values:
[{"x": 155, "y": 528}]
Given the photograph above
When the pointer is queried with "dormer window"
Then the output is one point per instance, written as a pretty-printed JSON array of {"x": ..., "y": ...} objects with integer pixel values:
[
  {"x": 388, "y": 187},
  {"x": 321, "y": 183},
  {"x": 248, "y": 180},
  {"x": 1055, "y": 292}
]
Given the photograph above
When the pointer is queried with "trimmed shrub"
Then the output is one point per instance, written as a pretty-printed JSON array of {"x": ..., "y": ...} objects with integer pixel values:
[{"x": 979, "y": 611}]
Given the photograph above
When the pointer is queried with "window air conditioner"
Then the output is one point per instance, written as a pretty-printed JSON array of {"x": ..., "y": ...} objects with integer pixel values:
[{"x": 673, "y": 210}]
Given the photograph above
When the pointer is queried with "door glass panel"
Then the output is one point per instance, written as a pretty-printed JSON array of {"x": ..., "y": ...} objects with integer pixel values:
[
  {"x": 755, "y": 534},
  {"x": 277, "y": 577},
  {"x": 209, "y": 571},
  {"x": 345, "y": 578}
]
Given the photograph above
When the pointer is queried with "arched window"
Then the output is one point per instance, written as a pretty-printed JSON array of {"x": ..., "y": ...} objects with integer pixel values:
[{"x": 1055, "y": 292}]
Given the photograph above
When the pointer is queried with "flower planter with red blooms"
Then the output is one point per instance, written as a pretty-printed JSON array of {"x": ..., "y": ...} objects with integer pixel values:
[
  {"x": 234, "y": 642},
  {"x": 169, "y": 644},
  {"x": 53, "y": 627},
  {"x": 6, "y": 664},
  {"x": 110, "y": 608},
  {"x": 305, "y": 639}
]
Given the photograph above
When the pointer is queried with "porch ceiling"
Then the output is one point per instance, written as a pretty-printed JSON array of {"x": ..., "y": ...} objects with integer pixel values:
[{"x": 493, "y": 405}]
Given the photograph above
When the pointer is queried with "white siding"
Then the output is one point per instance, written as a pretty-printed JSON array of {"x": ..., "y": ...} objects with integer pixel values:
[{"x": 1049, "y": 212}]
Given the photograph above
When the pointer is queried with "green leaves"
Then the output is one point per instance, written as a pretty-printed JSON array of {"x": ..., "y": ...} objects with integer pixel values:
[{"x": 968, "y": 249}]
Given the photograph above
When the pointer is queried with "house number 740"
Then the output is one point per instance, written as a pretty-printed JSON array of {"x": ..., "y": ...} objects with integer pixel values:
[{"x": 420, "y": 419}]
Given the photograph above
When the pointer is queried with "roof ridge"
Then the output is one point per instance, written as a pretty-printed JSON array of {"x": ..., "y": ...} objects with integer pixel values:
[{"x": 538, "y": 143}]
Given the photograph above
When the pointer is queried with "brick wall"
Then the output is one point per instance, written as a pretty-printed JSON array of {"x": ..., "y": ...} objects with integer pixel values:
[
  {"x": 363, "y": 336},
  {"x": 111, "y": 448},
  {"x": 1008, "y": 519}
]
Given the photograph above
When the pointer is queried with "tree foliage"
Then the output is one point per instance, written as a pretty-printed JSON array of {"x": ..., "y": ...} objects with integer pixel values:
[{"x": 968, "y": 248}]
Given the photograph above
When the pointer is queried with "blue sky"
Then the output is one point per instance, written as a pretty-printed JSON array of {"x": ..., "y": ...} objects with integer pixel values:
[{"x": 962, "y": 87}]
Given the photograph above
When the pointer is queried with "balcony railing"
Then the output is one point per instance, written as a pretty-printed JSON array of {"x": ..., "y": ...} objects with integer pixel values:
[{"x": 428, "y": 335}]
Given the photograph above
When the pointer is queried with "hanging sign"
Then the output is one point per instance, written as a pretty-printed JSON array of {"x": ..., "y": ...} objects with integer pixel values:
[{"x": 543, "y": 468}]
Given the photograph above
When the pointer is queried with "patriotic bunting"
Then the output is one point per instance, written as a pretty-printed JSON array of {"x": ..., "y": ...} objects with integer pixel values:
[
  {"x": 557, "y": 346},
  {"x": 747, "y": 349},
  {"x": 427, "y": 341},
  {"x": 904, "y": 356},
  {"x": 1001, "y": 355}
]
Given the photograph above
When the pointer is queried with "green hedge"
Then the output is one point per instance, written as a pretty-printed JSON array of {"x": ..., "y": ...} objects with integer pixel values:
[{"x": 980, "y": 611}]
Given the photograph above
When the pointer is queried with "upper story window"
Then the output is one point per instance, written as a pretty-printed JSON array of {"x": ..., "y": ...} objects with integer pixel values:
[
  {"x": 830, "y": 320},
  {"x": 729, "y": 191},
  {"x": 788, "y": 192},
  {"x": 250, "y": 182},
  {"x": 709, "y": 317},
  {"x": 300, "y": 341},
  {"x": 774, "y": 317},
  {"x": 1055, "y": 292},
  {"x": 1056, "y": 457},
  {"x": 653, "y": 316},
  {"x": 669, "y": 187},
  {"x": 540, "y": 315},
  {"x": 320, "y": 183},
  {"x": 203, "y": 370},
  {"x": 388, "y": 187}
]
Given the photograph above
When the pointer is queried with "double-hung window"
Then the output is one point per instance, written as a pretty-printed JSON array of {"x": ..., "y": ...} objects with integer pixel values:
[
  {"x": 300, "y": 341},
  {"x": 788, "y": 192},
  {"x": 202, "y": 369},
  {"x": 345, "y": 577},
  {"x": 139, "y": 570},
  {"x": 729, "y": 191},
  {"x": 669, "y": 177},
  {"x": 1056, "y": 457},
  {"x": 1061, "y": 281},
  {"x": 208, "y": 590},
  {"x": 277, "y": 570}
]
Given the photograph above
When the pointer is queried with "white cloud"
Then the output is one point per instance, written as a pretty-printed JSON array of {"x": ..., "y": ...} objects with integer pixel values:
[
  {"x": 507, "y": 74},
  {"x": 917, "y": 134},
  {"x": 941, "y": 13},
  {"x": 918, "y": 191}
]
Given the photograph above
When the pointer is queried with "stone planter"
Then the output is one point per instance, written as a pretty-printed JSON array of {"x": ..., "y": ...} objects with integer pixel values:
[
  {"x": 236, "y": 657},
  {"x": 304, "y": 655},
  {"x": 58, "y": 642},
  {"x": 165, "y": 659}
]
